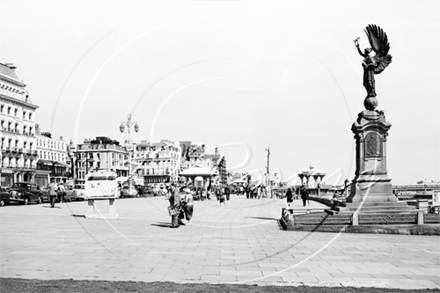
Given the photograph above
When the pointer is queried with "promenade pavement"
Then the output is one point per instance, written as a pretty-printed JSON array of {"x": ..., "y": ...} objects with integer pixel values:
[{"x": 238, "y": 243}]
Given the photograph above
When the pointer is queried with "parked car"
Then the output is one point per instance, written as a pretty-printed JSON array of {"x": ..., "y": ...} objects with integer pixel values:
[
  {"x": 26, "y": 192},
  {"x": 79, "y": 192},
  {"x": 128, "y": 192},
  {"x": 4, "y": 196},
  {"x": 68, "y": 189}
]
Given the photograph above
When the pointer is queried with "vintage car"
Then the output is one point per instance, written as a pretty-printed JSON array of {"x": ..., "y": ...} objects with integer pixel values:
[
  {"x": 127, "y": 191},
  {"x": 5, "y": 196},
  {"x": 26, "y": 192},
  {"x": 79, "y": 192},
  {"x": 68, "y": 193}
]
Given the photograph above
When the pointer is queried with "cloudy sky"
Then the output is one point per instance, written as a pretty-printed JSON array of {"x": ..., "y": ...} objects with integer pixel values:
[{"x": 240, "y": 75}]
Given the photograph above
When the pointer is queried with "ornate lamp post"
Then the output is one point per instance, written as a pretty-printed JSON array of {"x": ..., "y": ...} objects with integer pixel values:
[{"x": 129, "y": 123}]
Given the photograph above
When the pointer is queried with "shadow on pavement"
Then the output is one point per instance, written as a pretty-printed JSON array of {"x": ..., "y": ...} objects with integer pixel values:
[
  {"x": 263, "y": 218},
  {"x": 78, "y": 216},
  {"x": 162, "y": 224}
]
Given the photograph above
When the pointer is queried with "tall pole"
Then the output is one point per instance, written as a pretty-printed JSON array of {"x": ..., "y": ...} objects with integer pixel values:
[
  {"x": 267, "y": 168},
  {"x": 129, "y": 123}
]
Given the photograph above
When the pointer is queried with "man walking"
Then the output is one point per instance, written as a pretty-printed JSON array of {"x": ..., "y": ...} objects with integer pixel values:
[
  {"x": 175, "y": 206},
  {"x": 52, "y": 193},
  {"x": 61, "y": 192},
  {"x": 304, "y": 194},
  {"x": 227, "y": 192}
]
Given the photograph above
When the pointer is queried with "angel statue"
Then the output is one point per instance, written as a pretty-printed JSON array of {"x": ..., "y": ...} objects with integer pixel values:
[{"x": 374, "y": 64}]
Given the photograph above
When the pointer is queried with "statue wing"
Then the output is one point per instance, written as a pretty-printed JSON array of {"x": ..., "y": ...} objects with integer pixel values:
[{"x": 379, "y": 43}]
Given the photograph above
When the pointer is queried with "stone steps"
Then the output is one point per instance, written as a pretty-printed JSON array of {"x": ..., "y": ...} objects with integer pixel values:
[
  {"x": 322, "y": 219},
  {"x": 387, "y": 218},
  {"x": 431, "y": 219}
]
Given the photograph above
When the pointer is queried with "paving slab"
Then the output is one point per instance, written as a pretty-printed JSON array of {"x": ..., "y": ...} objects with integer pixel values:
[{"x": 239, "y": 243}]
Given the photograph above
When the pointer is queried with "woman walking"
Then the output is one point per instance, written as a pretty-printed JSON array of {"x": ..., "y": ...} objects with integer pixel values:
[{"x": 289, "y": 196}]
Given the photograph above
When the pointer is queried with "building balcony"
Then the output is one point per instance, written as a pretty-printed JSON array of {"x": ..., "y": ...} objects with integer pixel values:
[{"x": 27, "y": 151}]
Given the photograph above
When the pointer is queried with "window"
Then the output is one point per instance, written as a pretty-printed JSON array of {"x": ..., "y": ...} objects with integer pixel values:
[
  {"x": 15, "y": 112},
  {"x": 30, "y": 116},
  {"x": 9, "y": 110},
  {"x": 24, "y": 114},
  {"x": 1, "y": 108}
]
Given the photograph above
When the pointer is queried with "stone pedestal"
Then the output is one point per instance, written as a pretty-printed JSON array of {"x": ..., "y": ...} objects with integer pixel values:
[
  {"x": 371, "y": 182},
  {"x": 93, "y": 213}
]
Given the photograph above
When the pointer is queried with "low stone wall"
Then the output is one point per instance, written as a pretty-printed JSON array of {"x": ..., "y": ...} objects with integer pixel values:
[
  {"x": 414, "y": 223},
  {"x": 428, "y": 230}
]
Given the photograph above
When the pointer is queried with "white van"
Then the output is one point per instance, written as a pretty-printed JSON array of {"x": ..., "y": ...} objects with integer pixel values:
[{"x": 101, "y": 184}]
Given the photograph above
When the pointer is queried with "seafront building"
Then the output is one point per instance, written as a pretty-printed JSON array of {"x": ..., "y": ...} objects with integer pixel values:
[
  {"x": 19, "y": 155},
  {"x": 53, "y": 158},
  {"x": 99, "y": 153},
  {"x": 159, "y": 161}
]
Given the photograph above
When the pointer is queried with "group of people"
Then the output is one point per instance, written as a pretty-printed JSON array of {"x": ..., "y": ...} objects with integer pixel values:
[
  {"x": 56, "y": 192},
  {"x": 302, "y": 191},
  {"x": 255, "y": 191},
  {"x": 182, "y": 198},
  {"x": 181, "y": 206}
]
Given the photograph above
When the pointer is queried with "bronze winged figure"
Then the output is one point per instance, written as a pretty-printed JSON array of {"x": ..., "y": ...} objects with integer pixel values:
[{"x": 374, "y": 64}]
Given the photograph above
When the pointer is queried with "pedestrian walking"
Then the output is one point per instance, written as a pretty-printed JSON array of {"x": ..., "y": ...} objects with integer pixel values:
[
  {"x": 289, "y": 197},
  {"x": 217, "y": 192},
  {"x": 297, "y": 192},
  {"x": 260, "y": 192},
  {"x": 175, "y": 208},
  {"x": 222, "y": 196},
  {"x": 52, "y": 193},
  {"x": 61, "y": 192},
  {"x": 304, "y": 195},
  {"x": 188, "y": 205},
  {"x": 227, "y": 192}
]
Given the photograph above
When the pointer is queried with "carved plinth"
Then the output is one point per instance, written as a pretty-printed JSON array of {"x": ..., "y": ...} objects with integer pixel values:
[{"x": 371, "y": 182}]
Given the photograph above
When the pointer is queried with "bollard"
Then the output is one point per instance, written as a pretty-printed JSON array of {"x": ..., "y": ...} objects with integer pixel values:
[
  {"x": 90, "y": 207},
  {"x": 112, "y": 209},
  {"x": 355, "y": 219},
  {"x": 420, "y": 215}
]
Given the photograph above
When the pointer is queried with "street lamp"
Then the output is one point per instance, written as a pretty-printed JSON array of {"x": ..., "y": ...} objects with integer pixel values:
[{"x": 129, "y": 123}]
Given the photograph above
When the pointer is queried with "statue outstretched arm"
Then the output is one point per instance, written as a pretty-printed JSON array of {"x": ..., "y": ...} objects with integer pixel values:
[{"x": 360, "y": 51}]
